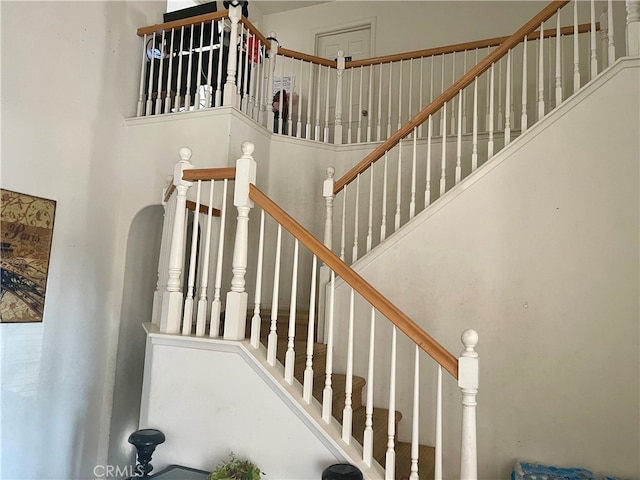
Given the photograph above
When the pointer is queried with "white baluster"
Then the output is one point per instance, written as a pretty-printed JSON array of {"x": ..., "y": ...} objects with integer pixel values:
[
  {"x": 443, "y": 118},
  {"x": 326, "y": 107},
  {"x": 210, "y": 82},
  {"x": 337, "y": 133},
  {"x": 410, "y": 88},
  {"x": 347, "y": 411},
  {"x": 367, "y": 443},
  {"x": 459, "y": 141},
  {"x": 383, "y": 221},
  {"x": 176, "y": 104},
  {"x": 558, "y": 62},
  {"x": 541, "y": 74},
  {"x": 272, "y": 339},
  {"x": 443, "y": 159},
  {"x": 307, "y": 390},
  {"x": 270, "y": 90},
  {"x": 256, "y": 320},
  {"x": 196, "y": 101},
  {"x": 453, "y": 100},
  {"x": 167, "y": 99},
  {"x": 420, "y": 105},
  {"x": 487, "y": 111},
  {"x": 379, "y": 125},
  {"x": 414, "y": 161},
  {"x": 359, "y": 131},
  {"x": 398, "y": 187},
  {"x": 576, "y": 50},
  {"x": 400, "y": 98},
  {"x": 370, "y": 223},
  {"x": 633, "y": 27},
  {"x": 141, "y": 100},
  {"x": 369, "y": 116},
  {"x": 172, "y": 297},
  {"x": 349, "y": 128},
  {"x": 523, "y": 120},
  {"x": 427, "y": 191},
  {"x": 343, "y": 239},
  {"x": 507, "y": 102},
  {"x": 317, "y": 129},
  {"x": 307, "y": 134},
  {"x": 236, "y": 304},
  {"x": 499, "y": 123},
  {"x": 437, "y": 471},
  {"x": 603, "y": 37},
  {"x": 187, "y": 95},
  {"x": 218, "y": 97},
  {"x": 187, "y": 316},
  {"x": 216, "y": 304},
  {"x": 593, "y": 44},
  {"x": 612, "y": 48},
  {"x": 464, "y": 99},
  {"x": 280, "y": 93},
  {"x": 299, "y": 123},
  {"x": 415, "y": 427},
  {"x": 244, "y": 90},
  {"x": 491, "y": 114},
  {"x": 327, "y": 392},
  {"x": 159, "y": 83},
  {"x": 389, "y": 100},
  {"x": 201, "y": 318},
  {"x": 354, "y": 252},
  {"x": 290, "y": 355},
  {"x": 149, "y": 105},
  {"x": 474, "y": 141},
  {"x": 468, "y": 383},
  {"x": 235, "y": 13},
  {"x": 390, "y": 457}
]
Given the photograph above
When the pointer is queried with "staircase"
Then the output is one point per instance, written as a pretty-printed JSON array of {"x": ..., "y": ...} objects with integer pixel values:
[{"x": 380, "y": 415}]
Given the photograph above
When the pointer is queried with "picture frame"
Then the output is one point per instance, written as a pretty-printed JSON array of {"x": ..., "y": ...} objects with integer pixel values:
[{"x": 26, "y": 233}]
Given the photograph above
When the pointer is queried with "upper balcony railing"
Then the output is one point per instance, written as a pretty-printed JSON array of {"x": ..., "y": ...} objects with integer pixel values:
[{"x": 188, "y": 65}]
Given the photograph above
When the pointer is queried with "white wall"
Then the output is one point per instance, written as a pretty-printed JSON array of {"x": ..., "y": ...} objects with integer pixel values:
[
  {"x": 539, "y": 252},
  {"x": 67, "y": 84},
  {"x": 207, "y": 411}
]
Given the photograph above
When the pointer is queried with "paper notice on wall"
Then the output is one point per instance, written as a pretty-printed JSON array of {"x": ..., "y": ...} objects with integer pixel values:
[{"x": 286, "y": 83}]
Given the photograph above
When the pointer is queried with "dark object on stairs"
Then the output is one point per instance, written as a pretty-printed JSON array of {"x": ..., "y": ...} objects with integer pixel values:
[
  {"x": 145, "y": 441},
  {"x": 342, "y": 471}
]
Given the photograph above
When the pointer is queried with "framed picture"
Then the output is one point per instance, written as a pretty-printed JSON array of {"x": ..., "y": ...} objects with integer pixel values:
[{"x": 26, "y": 231}]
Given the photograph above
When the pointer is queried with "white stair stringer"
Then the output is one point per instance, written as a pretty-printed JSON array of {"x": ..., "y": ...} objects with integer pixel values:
[{"x": 329, "y": 435}]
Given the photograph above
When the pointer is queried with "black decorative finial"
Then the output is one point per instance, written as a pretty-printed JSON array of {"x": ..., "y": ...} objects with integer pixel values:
[{"x": 145, "y": 441}]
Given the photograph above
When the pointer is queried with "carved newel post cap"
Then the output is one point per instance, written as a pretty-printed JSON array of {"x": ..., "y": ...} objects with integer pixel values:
[
  {"x": 248, "y": 148},
  {"x": 185, "y": 154},
  {"x": 331, "y": 172},
  {"x": 469, "y": 340}
]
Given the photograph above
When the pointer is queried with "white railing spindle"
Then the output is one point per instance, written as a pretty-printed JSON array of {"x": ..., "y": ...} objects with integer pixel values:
[
  {"x": 370, "y": 222},
  {"x": 256, "y": 320},
  {"x": 201, "y": 318},
  {"x": 367, "y": 443},
  {"x": 474, "y": 141},
  {"x": 337, "y": 133},
  {"x": 149, "y": 108},
  {"x": 593, "y": 44},
  {"x": 427, "y": 190},
  {"x": 216, "y": 304},
  {"x": 458, "y": 173},
  {"x": 415, "y": 437},
  {"x": 307, "y": 389},
  {"x": 369, "y": 105},
  {"x": 523, "y": 119},
  {"x": 443, "y": 159},
  {"x": 437, "y": 471},
  {"x": 196, "y": 101},
  {"x": 235, "y": 13},
  {"x": 187, "y": 316},
  {"x": 390, "y": 456},
  {"x": 379, "y": 125},
  {"x": 327, "y": 392},
  {"x": 290, "y": 355},
  {"x": 541, "y": 73},
  {"x": 160, "y": 77},
  {"x": 325, "y": 137},
  {"x": 558, "y": 62},
  {"x": 491, "y": 113},
  {"x": 508, "y": 103},
  {"x": 187, "y": 95},
  {"x": 398, "y": 188},
  {"x": 347, "y": 412},
  {"x": 414, "y": 171},
  {"x": 359, "y": 131},
  {"x": 272, "y": 339},
  {"x": 356, "y": 212},
  {"x": 141, "y": 100},
  {"x": 383, "y": 220}
]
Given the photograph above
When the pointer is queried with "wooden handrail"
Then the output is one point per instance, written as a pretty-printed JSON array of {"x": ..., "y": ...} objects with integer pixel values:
[
  {"x": 194, "y": 174},
  {"x": 203, "y": 209},
  {"x": 184, "y": 22},
  {"x": 450, "y": 93},
  {"x": 254, "y": 31},
  {"x": 359, "y": 284},
  {"x": 285, "y": 52},
  {"x": 462, "y": 47}
]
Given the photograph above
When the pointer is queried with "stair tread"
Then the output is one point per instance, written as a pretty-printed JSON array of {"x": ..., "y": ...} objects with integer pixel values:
[{"x": 426, "y": 460}]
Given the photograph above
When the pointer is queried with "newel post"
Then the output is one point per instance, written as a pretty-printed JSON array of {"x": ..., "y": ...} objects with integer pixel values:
[
  {"x": 468, "y": 383},
  {"x": 230, "y": 94},
  {"x": 272, "y": 53},
  {"x": 172, "y": 297},
  {"x": 325, "y": 274},
  {"x": 337, "y": 134},
  {"x": 167, "y": 228},
  {"x": 633, "y": 28},
  {"x": 236, "y": 307}
]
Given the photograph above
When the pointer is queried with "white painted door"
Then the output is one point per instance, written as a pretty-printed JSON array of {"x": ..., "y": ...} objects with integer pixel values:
[{"x": 356, "y": 44}]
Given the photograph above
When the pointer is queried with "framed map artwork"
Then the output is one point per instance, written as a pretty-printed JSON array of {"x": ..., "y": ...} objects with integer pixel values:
[{"x": 26, "y": 230}]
